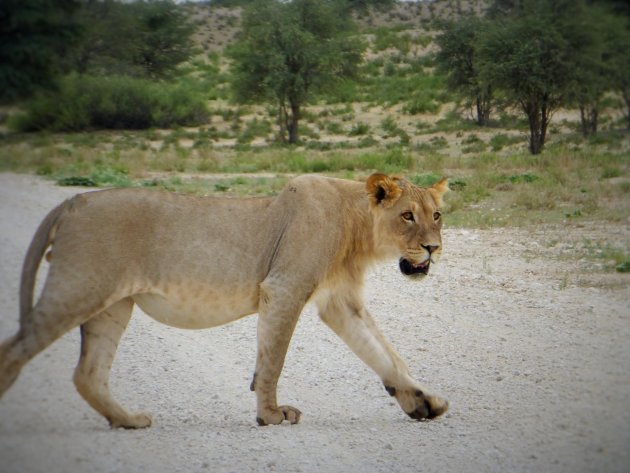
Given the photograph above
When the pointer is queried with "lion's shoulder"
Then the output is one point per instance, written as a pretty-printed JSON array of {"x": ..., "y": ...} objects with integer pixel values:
[{"x": 324, "y": 189}]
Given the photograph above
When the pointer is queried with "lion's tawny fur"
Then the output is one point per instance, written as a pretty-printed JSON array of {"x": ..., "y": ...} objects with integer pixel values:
[{"x": 197, "y": 262}]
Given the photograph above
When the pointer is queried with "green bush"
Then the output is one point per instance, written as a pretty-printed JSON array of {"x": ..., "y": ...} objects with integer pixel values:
[
  {"x": 393, "y": 160},
  {"x": 498, "y": 142},
  {"x": 112, "y": 102},
  {"x": 406, "y": 85},
  {"x": 359, "y": 129},
  {"x": 426, "y": 179},
  {"x": 255, "y": 128},
  {"x": 421, "y": 104},
  {"x": 101, "y": 176}
]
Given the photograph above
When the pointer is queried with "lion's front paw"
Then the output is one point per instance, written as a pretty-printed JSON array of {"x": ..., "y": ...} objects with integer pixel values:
[
  {"x": 279, "y": 415},
  {"x": 132, "y": 421},
  {"x": 417, "y": 404},
  {"x": 427, "y": 407}
]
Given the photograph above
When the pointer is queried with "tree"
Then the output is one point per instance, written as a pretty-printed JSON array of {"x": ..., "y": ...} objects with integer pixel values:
[
  {"x": 617, "y": 57},
  {"x": 34, "y": 35},
  {"x": 530, "y": 57},
  {"x": 582, "y": 32},
  {"x": 108, "y": 41},
  {"x": 458, "y": 59},
  {"x": 364, "y": 5},
  {"x": 288, "y": 50},
  {"x": 142, "y": 38},
  {"x": 504, "y": 8},
  {"x": 164, "y": 40}
]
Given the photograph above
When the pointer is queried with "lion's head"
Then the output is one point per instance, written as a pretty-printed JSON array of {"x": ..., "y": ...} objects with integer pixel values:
[{"x": 407, "y": 221}]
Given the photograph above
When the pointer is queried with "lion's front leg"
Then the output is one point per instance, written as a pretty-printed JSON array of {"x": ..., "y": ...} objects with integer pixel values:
[
  {"x": 278, "y": 314},
  {"x": 351, "y": 321}
]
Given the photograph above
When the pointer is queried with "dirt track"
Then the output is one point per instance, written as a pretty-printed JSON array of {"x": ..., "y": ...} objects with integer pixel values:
[{"x": 529, "y": 344}]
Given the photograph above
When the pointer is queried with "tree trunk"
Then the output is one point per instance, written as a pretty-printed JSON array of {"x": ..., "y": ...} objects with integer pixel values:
[
  {"x": 293, "y": 124},
  {"x": 483, "y": 102},
  {"x": 545, "y": 116},
  {"x": 533, "y": 110},
  {"x": 533, "y": 118},
  {"x": 588, "y": 118},
  {"x": 538, "y": 113},
  {"x": 535, "y": 145},
  {"x": 282, "y": 122}
]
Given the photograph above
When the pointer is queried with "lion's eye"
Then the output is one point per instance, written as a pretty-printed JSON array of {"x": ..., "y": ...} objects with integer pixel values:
[
  {"x": 436, "y": 216},
  {"x": 408, "y": 216}
]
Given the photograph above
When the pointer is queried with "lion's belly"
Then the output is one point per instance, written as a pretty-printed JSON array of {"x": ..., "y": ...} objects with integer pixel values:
[{"x": 198, "y": 309}]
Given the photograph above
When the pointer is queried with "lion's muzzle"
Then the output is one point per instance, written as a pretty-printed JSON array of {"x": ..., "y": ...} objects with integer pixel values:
[{"x": 414, "y": 270}]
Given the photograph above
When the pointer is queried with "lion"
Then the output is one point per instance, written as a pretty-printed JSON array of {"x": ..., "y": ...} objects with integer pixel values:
[{"x": 199, "y": 262}]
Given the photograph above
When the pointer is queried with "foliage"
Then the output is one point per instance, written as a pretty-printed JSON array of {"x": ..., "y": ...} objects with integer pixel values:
[
  {"x": 538, "y": 56},
  {"x": 363, "y": 5},
  {"x": 115, "y": 102},
  {"x": 360, "y": 5},
  {"x": 289, "y": 50},
  {"x": 592, "y": 69},
  {"x": 141, "y": 38},
  {"x": 617, "y": 55},
  {"x": 534, "y": 71},
  {"x": 34, "y": 35},
  {"x": 458, "y": 60},
  {"x": 421, "y": 92}
]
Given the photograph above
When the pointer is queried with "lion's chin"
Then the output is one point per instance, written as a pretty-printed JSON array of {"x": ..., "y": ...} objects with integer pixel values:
[{"x": 414, "y": 271}]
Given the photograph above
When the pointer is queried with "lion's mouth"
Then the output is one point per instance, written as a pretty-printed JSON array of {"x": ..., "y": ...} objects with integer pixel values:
[{"x": 410, "y": 269}]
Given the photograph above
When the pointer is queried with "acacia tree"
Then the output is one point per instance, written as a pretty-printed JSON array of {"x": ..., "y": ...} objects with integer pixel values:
[
  {"x": 458, "y": 59},
  {"x": 528, "y": 58},
  {"x": 141, "y": 38},
  {"x": 288, "y": 50},
  {"x": 617, "y": 57},
  {"x": 583, "y": 30}
]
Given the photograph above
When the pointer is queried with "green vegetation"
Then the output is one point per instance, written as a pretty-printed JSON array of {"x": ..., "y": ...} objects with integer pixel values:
[
  {"x": 288, "y": 50},
  {"x": 564, "y": 182},
  {"x": 575, "y": 59},
  {"x": 34, "y": 37},
  {"x": 116, "y": 102},
  {"x": 458, "y": 60},
  {"x": 140, "y": 39}
]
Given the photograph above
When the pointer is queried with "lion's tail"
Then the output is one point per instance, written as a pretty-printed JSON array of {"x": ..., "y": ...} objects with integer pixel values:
[{"x": 41, "y": 241}]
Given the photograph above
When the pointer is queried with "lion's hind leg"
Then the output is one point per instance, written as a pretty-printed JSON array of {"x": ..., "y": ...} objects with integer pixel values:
[
  {"x": 46, "y": 322},
  {"x": 99, "y": 340},
  {"x": 10, "y": 365}
]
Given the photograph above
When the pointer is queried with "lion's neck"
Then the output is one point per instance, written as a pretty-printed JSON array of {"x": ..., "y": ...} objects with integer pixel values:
[{"x": 359, "y": 248}]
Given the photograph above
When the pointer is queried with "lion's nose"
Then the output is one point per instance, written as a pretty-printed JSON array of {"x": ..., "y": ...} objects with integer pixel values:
[{"x": 431, "y": 248}]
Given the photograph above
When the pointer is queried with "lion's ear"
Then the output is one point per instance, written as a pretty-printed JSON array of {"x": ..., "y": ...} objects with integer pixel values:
[
  {"x": 438, "y": 190},
  {"x": 382, "y": 190}
]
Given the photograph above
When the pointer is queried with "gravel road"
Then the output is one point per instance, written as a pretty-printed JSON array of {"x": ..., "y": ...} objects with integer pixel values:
[{"x": 528, "y": 342}]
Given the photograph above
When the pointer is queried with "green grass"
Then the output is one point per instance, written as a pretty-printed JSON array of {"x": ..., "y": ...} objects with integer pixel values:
[{"x": 564, "y": 183}]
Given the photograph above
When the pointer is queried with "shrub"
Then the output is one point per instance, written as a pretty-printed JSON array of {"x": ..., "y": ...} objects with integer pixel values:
[
  {"x": 359, "y": 129},
  {"x": 389, "y": 125},
  {"x": 393, "y": 160},
  {"x": 498, "y": 142},
  {"x": 426, "y": 179},
  {"x": 421, "y": 104},
  {"x": 474, "y": 144},
  {"x": 114, "y": 102},
  {"x": 254, "y": 128},
  {"x": 100, "y": 176},
  {"x": 524, "y": 178}
]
